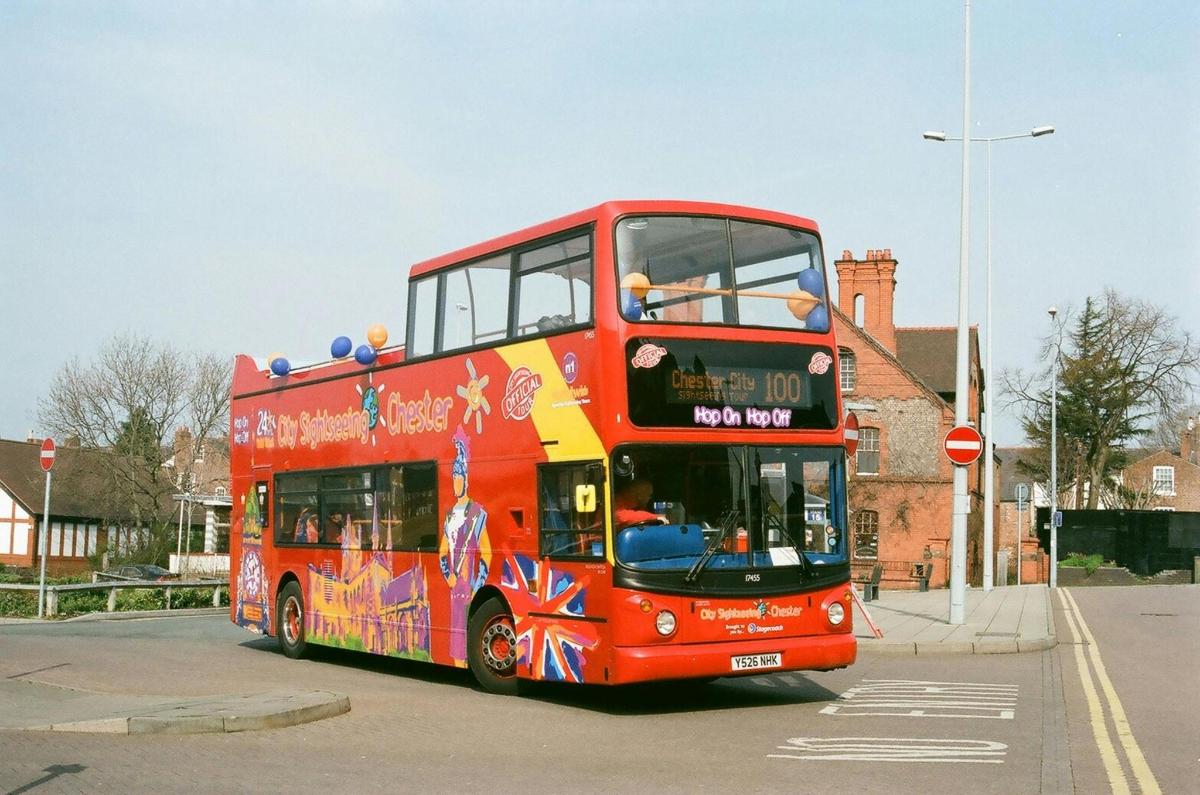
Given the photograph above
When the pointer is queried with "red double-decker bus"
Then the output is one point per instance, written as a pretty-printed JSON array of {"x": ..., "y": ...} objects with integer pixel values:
[{"x": 610, "y": 450}]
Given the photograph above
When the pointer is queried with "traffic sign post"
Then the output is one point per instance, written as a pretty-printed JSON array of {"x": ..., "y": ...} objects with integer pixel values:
[
  {"x": 963, "y": 445},
  {"x": 47, "y": 462}
]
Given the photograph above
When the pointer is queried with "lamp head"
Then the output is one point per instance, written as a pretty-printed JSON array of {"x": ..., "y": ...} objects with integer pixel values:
[
  {"x": 1052, "y": 311},
  {"x": 934, "y": 135},
  {"x": 1047, "y": 129}
]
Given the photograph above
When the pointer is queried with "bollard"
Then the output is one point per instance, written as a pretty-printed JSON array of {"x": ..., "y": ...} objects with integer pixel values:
[
  {"x": 112, "y": 600},
  {"x": 168, "y": 597},
  {"x": 51, "y": 601},
  {"x": 217, "y": 596},
  {"x": 1196, "y": 570}
]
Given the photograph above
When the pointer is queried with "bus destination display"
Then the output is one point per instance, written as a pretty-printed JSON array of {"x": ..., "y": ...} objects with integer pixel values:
[{"x": 684, "y": 383}]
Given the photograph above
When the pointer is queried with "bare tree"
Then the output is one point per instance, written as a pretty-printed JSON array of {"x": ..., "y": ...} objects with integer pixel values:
[
  {"x": 1170, "y": 427},
  {"x": 1131, "y": 494},
  {"x": 1124, "y": 363},
  {"x": 129, "y": 401}
]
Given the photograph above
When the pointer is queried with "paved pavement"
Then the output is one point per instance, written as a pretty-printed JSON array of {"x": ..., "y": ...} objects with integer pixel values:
[
  {"x": 1004, "y": 620},
  {"x": 32, "y": 705}
]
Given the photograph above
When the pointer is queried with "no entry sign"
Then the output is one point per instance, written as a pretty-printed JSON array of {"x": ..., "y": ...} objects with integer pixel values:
[
  {"x": 851, "y": 434},
  {"x": 47, "y": 454},
  {"x": 963, "y": 444}
]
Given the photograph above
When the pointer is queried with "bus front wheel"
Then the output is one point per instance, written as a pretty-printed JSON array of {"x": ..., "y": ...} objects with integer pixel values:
[
  {"x": 492, "y": 648},
  {"x": 289, "y": 621}
]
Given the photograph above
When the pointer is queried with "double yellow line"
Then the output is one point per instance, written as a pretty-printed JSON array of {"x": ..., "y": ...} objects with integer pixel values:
[{"x": 1146, "y": 782}]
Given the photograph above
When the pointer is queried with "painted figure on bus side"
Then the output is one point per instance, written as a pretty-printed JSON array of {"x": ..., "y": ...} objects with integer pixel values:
[{"x": 465, "y": 552}]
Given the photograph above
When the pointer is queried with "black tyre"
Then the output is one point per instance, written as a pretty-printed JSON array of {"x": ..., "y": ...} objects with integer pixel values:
[
  {"x": 289, "y": 621},
  {"x": 492, "y": 649}
]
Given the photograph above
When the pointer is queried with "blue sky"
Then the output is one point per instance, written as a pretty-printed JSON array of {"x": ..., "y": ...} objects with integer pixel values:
[{"x": 256, "y": 177}]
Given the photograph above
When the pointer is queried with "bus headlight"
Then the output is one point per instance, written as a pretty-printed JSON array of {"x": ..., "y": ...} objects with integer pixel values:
[
  {"x": 665, "y": 623},
  {"x": 837, "y": 613}
]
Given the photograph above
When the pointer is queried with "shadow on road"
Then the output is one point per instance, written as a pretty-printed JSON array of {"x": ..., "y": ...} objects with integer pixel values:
[{"x": 655, "y": 698}]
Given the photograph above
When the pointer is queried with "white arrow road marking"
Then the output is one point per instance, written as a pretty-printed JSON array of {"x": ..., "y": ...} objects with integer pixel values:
[
  {"x": 893, "y": 749},
  {"x": 910, "y": 698}
]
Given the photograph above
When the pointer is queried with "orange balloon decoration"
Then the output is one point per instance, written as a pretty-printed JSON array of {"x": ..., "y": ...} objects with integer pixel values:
[
  {"x": 377, "y": 335},
  {"x": 801, "y": 302},
  {"x": 636, "y": 283}
]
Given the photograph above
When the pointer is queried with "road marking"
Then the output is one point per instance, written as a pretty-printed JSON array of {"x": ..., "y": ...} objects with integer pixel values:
[
  {"x": 1146, "y": 781},
  {"x": 918, "y": 698},
  {"x": 1108, "y": 754},
  {"x": 893, "y": 749}
]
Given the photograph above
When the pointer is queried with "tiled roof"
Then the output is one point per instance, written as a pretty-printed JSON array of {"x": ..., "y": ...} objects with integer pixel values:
[
  {"x": 932, "y": 353},
  {"x": 81, "y": 486}
]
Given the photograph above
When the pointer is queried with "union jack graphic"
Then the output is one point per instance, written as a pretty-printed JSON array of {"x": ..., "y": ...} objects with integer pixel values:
[{"x": 553, "y": 650}]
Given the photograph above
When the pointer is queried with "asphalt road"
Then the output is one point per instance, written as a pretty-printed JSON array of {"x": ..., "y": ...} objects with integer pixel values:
[
  {"x": 1147, "y": 641},
  {"x": 978, "y": 723}
]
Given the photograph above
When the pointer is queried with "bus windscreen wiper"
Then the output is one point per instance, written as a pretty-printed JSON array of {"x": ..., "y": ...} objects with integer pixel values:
[{"x": 727, "y": 522}]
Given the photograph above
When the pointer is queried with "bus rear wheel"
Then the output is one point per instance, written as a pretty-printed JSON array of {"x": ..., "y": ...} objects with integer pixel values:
[
  {"x": 289, "y": 621},
  {"x": 492, "y": 649}
]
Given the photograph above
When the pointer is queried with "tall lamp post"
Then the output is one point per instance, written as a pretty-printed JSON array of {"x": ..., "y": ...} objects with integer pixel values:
[
  {"x": 1052, "y": 311},
  {"x": 988, "y": 455}
]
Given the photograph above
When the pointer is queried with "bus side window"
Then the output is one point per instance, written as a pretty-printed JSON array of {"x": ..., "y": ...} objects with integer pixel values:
[
  {"x": 554, "y": 286},
  {"x": 406, "y": 496},
  {"x": 563, "y": 529}
]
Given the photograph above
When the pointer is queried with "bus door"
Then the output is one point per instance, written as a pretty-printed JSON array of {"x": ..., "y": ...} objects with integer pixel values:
[{"x": 563, "y": 594}]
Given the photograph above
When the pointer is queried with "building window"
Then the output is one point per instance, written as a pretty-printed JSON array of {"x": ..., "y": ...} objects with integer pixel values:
[
  {"x": 860, "y": 310},
  {"x": 848, "y": 368},
  {"x": 1164, "y": 481},
  {"x": 199, "y": 457},
  {"x": 867, "y": 460},
  {"x": 866, "y": 534}
]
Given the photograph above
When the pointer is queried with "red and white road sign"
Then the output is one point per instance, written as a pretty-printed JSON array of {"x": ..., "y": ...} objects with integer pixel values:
[
  {"x": 47, "y": 454},
  {"x": 851, "y": 434},
  {"x": 963, "y": 444}
]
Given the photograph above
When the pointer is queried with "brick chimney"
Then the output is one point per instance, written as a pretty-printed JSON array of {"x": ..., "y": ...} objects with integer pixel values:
[
  {"x": 874, "y": 278},
  {"x": 1187, "y": 441}
]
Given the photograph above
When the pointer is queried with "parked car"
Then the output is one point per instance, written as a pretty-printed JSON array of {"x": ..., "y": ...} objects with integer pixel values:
[{"x": 141, "y": 571}]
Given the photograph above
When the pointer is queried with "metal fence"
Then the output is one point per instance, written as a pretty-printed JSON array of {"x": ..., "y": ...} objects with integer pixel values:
[{"x": 52, "y": 591}]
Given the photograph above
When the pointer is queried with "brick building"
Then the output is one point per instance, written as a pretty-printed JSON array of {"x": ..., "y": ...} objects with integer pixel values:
[
  {"x": 84, "y": 519},
  {"x": 901, "y": 384},
  {"x": 1168, "y": 480},
  {"x": 87, "y": 516},
  {"x": 1014, "y": 519}
]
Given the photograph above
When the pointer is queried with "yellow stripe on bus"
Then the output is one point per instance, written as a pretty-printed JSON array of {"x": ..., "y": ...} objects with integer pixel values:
[{"x": 565, "y": 423}]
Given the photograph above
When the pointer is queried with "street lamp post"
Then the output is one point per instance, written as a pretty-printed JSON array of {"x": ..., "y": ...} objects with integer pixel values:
[
  {"x": 1053, "y": 454},
  {"x": 988, "y": 447}
]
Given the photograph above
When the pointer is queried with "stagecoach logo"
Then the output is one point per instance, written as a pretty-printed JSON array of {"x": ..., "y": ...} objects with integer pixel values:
[
  {"x": 648, "y": 355},
  {"x": 519, "y": 392},
  {"x": 819, "y": 363}
]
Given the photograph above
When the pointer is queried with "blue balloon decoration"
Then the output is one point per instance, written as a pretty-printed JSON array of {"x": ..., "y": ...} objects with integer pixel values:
[
  {"x": 811, "y": 281},
  {"x": 364, "y": 354},
  {"x": 818, "y": 319},
  {"x": 341, "y": 347},
  {"x": 280, "y": 366},
  {"x": 631, "y": 307}
]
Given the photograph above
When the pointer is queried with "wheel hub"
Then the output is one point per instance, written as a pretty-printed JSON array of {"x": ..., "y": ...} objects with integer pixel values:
[
  {"x": 291, "y": 623},
  {"x": 500, "y": 645}
]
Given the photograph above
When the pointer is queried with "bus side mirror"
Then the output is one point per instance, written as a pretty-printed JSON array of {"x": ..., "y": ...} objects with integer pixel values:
[{"x": 585, "y": 498}]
